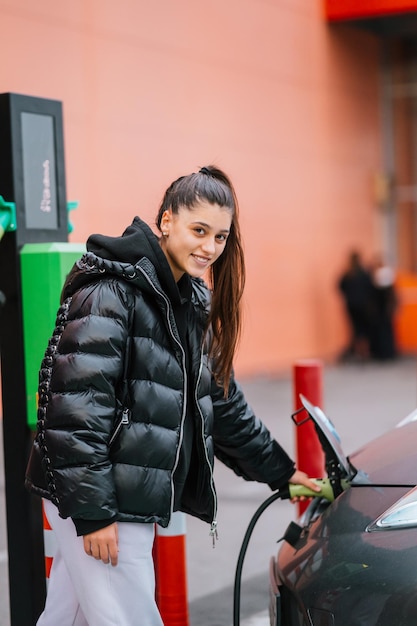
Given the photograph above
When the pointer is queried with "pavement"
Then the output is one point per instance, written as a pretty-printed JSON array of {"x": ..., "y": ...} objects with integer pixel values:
[{"x": 363, "y": 400}]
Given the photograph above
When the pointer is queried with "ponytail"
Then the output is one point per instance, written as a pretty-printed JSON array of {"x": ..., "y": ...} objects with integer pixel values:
[{"x": 227, "y": 274}]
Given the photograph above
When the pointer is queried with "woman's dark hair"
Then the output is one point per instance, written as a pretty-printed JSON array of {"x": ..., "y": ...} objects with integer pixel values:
[{"x": 227, "y": 274}]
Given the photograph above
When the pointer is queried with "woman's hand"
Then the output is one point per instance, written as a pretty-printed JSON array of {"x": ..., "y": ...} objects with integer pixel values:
[
  {"x": 301, "y": 478},
  {"x": 103, "y": 544}
]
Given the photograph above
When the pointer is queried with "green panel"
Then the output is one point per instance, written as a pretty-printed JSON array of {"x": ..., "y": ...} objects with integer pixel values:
[{"x": 44, "y": 267}]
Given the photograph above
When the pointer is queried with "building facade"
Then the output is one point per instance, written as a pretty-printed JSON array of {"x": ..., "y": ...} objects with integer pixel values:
[{"x": 310, "y": 111}]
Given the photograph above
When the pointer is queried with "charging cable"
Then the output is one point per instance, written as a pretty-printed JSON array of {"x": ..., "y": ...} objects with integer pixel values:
[{"x": 293, "y": 531}]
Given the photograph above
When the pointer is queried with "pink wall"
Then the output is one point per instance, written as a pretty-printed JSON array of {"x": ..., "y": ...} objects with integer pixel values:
[{"x": 264, "y": 89}]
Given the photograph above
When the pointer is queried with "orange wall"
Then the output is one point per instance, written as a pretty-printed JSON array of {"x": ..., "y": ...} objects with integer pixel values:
[{"x": 264, "y": 89}]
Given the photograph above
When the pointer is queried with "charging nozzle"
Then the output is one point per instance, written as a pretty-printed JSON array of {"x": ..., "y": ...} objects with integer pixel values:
[{"x": 326, "y": 490}]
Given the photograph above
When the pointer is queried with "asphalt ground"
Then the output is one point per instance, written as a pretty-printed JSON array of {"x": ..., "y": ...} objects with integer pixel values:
[{"x": 363, "y": 400}]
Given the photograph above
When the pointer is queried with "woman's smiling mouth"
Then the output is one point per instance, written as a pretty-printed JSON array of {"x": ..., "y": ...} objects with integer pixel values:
[{"x": 201, "y": 260}]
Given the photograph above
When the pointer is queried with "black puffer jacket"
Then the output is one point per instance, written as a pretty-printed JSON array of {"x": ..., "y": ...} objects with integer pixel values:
[{"x": 107, "y": 449}]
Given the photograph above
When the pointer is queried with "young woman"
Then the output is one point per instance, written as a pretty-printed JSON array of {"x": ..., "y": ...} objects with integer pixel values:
[{"x": 137, "y": 397}]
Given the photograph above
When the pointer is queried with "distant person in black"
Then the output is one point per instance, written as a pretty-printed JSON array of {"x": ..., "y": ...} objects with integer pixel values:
[
  {"x": 357, "y": 290},
  {"x": 382, "y": 338}
]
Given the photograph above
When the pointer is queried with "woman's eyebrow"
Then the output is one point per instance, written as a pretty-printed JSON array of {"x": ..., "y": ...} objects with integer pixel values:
[{"x": 223, "y": 230}]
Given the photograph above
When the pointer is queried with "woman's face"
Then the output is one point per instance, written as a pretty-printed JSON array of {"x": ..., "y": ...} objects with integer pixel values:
[{"x": 194, "y": 239}]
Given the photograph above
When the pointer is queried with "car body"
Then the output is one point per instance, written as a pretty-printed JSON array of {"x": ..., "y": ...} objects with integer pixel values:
[{"x": 353, "y": 561}]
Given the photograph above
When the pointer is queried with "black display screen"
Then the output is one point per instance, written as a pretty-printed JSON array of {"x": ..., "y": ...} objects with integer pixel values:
[
  {"x": 39, "y": 171},
  {"x": 32, "y": 167}
]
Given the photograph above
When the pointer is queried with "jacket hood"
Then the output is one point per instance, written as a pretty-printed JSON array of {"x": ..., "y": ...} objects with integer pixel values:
[
  {"x": 137, "y": 241},
  {"x": 118, "y": 256}
]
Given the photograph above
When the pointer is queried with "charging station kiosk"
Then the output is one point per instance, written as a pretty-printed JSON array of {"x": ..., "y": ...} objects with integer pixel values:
[{"x": 35, "y": 257}]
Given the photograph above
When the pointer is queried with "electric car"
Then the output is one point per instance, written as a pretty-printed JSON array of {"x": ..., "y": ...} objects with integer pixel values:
[{"x": 351, "y": 559}]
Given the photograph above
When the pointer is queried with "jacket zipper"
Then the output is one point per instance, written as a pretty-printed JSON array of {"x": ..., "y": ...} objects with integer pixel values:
[
  {"x": 124, "y": 421},
  {"x": 213, "y": 526},
  {"x": 168, "y": 307}
]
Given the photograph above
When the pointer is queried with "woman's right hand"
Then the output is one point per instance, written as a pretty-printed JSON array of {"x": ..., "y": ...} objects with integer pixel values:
[
  {"x": 103, "y": 544},
  {"x": 301, "y": 478}
]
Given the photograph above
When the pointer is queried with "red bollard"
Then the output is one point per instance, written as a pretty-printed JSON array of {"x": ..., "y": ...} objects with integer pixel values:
[
  {"x": 50, "y": 545},
  {"x": 308, "y": 380},
  {"x": 170, "y": 572}
]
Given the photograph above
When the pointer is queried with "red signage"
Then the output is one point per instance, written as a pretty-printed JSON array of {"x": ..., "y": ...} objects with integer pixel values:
[{"x": 360, "y": 9}]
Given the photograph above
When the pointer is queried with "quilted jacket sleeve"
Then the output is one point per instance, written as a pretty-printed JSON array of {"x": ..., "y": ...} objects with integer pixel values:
[
  {"x": 243, "y": 443},
  {"x": 83, "y": 400}
]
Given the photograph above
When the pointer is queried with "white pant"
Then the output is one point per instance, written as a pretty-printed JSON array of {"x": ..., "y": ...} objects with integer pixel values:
[{"x": 83, "y": 591}]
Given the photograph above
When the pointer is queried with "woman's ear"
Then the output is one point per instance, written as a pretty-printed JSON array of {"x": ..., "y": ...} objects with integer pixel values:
[{"x": 166, "y": 222}]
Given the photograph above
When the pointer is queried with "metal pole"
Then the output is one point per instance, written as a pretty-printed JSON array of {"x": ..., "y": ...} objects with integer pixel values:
[
  {"x": 308, "y": 380},
  {"x": 23, "y": 512}
]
